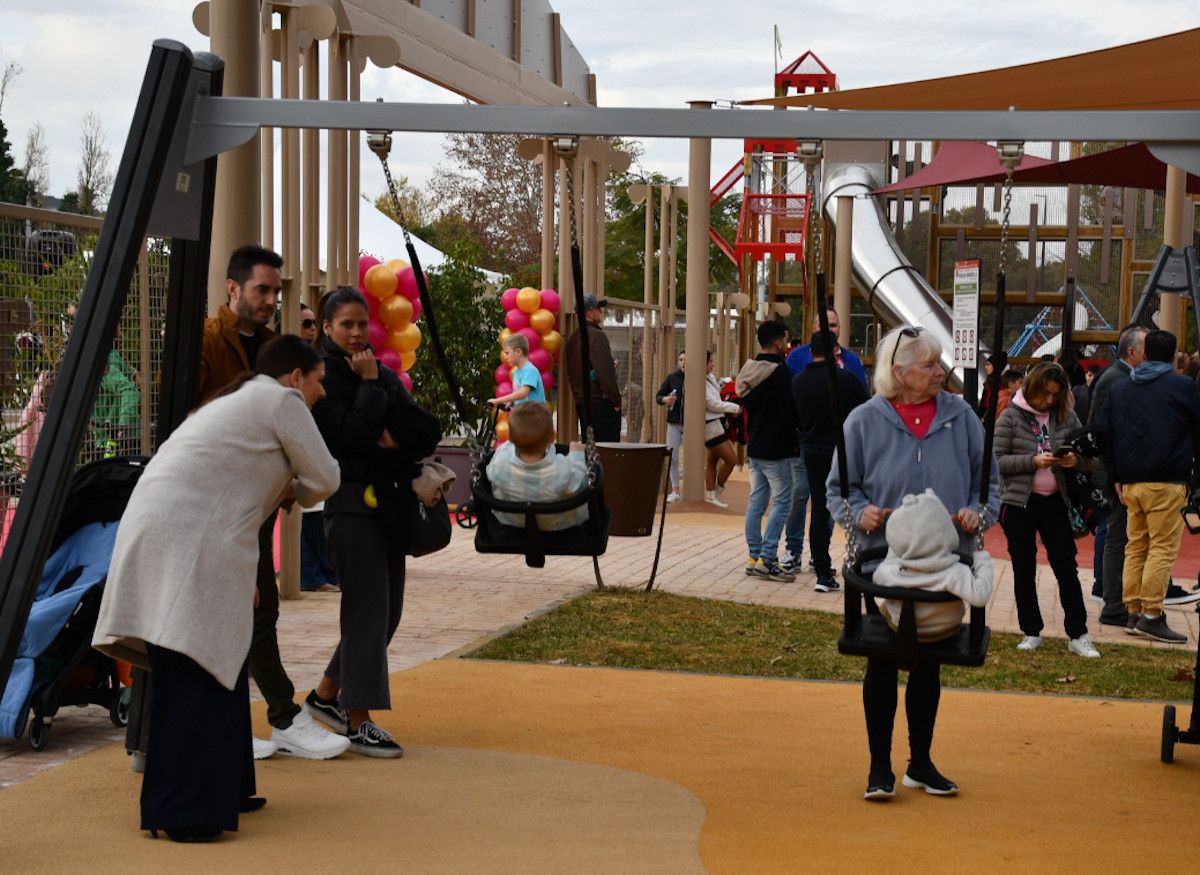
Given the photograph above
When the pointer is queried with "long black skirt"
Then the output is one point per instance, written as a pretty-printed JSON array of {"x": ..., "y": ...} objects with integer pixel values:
[{"x": 200, "y": 759}]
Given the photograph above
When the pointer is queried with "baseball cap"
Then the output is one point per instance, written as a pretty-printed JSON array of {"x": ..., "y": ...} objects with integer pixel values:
[{"x": 591, "y": 302}]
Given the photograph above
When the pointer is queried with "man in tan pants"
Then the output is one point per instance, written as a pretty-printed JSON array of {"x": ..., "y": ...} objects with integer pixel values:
[{"x": 1152, "y": 421}]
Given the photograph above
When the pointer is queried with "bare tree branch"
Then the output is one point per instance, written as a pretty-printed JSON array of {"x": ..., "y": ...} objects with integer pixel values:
[
  {"x": 11, "y": 71},
  {"x": 95, "y": 182},
  {"x": 37, "y": 167}
]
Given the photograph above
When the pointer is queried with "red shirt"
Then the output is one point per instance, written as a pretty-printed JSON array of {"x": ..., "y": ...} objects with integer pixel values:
[{"x": 917, "y": 417}]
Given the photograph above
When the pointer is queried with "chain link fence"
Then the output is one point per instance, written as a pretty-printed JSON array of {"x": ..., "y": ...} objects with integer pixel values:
[{"x": 44, "y": 262}]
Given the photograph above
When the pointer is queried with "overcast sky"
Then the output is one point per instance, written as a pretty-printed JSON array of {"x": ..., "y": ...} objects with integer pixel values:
[{"x": 81, "y": 55}]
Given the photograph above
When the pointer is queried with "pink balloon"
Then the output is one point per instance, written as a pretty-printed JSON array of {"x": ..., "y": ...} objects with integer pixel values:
[
  {"x": 535, "y": 339},
  {"x": 502, "y": 375},
  {"x": 547, "y": 381},
  {"x": 503, "y": 389},
  {"x": 516, "y": 320},
  {"x": 405, "y": 379},
  {"x": 416, "y": 308},
  {"x": 372, "y": 307},
  {"x": 540, "y": 359},
  {"x": 390, "y": 358},
  {"x": 509, "y": 299},
  {"x": 365, "y": 263},
  {"x": 550, "y": 300},
  {"x": 408, "y": 285},
  {"x": 377, "y": 335}
]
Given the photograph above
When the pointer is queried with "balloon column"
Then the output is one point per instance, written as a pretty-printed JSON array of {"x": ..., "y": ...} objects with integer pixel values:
[
  {"x": 533, "y": 314},
  {"x": 393, "y": 303}
]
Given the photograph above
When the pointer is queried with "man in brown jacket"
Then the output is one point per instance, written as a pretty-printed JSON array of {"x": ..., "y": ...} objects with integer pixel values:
[
  {"x": 604, "y": 390},
  {"x": 232, "y": 338}
]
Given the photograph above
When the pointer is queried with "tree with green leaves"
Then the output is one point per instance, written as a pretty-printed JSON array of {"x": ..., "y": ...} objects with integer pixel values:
[{"x": 469, "y": 318}]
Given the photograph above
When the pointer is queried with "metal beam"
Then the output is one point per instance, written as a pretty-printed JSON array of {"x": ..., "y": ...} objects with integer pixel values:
[{"x": 224, "y": 122}]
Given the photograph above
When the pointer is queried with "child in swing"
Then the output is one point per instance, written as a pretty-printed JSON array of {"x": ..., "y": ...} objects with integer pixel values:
[{"x": 528, "y": 468}]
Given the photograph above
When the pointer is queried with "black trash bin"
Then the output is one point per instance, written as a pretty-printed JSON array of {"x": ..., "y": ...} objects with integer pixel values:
[{"x": 633, "y": 477}]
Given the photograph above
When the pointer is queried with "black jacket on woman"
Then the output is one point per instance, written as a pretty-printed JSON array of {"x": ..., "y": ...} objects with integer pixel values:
[
  {"x": 673, "y": 383},
  {"x": 352, "y": 417}
]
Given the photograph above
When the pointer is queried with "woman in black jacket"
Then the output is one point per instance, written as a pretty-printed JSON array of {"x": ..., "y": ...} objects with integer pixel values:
[
  {"x": 670, "y": 395},
  {"x": 378, "y": 436}
]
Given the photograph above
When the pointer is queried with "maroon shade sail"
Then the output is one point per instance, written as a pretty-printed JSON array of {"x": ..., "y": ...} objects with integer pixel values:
[{"x": 960, "y": 163}]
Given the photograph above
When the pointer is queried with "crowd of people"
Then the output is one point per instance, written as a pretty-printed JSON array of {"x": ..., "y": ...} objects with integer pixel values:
[{"x": 317, "y": 420}]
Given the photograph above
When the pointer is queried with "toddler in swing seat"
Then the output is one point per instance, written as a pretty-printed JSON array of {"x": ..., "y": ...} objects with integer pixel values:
[
  {"x": 528, "y": 468},
  {"x": 921, "y": 541}
]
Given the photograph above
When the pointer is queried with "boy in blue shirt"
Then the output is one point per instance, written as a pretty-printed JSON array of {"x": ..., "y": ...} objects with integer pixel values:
[{"x": 526, "y": 381}]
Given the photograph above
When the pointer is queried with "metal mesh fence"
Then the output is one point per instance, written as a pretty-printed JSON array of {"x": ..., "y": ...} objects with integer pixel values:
[{"x": 43, "y": 268}]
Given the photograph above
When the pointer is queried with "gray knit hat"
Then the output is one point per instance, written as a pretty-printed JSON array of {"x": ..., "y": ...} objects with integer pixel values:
[{"x": 921, "y": 535}]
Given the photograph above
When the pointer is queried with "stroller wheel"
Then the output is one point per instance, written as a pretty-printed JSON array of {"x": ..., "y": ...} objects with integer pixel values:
[
  {"x": 118, "y": 709},
  {"x": 39, "y": 731},
  {"x": 464, "y": 515},
  {"x": 1169, "y": 735}
]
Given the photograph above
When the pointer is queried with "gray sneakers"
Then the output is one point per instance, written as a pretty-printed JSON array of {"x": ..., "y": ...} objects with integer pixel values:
[{"x": 1157, "y": 628}]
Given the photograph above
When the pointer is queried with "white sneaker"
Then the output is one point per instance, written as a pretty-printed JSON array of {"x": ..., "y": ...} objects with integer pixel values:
[
  {"x": 264, "y": 747},
  {"x": 308, "y": 741},
  {"x": 673, "y": 497},
  {"x": 719, "y": 490},
  {"x": 1082, "y": 646},
  {"x": 711, "y": 498},
  {"x": 1031, "y": 642}
]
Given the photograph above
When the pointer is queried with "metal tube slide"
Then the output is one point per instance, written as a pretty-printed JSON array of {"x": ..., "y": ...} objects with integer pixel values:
[{"x": 896, "y": 291}]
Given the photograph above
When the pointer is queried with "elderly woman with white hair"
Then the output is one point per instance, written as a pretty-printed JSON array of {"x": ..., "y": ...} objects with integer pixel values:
[{"x": 910, "y": 436}]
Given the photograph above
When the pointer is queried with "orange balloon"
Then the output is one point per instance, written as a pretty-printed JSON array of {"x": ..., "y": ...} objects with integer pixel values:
[
  {"x": 504, "y": 333},
  {"x": 529, "y": 300},
  {"x": 552, "y": 342},
  {"x": 541, "y": 321},
  {"x": 381, "y": 281},
  {"x": 501, "y": 431},
  {"x": 395, "y": 312},
  {"x": 396, "y": 264},
  {"x": 408, "y": 359},
  {"x": 405, "y": 339},
  {"x": 503, "y": 417}
]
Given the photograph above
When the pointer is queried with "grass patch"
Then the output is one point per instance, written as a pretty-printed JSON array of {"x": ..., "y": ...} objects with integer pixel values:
[{"x": 680, "y": 633}]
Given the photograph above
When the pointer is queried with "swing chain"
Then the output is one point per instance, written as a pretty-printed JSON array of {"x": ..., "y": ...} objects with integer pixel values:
[
  {"x": 1011, "y": 153},
  {"x": 851, "y": 532},
  {"x": 811, "y": 152},
  {"x": 567, "y": 149}
]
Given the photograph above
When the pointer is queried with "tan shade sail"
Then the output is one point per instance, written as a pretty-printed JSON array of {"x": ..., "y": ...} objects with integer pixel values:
[{"x": 1160, "y": 73}]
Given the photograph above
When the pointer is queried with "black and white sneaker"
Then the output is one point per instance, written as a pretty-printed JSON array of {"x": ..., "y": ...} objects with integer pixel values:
[
  {"x": 929, "y": 779},
  {"x": 371, "y": 741},
  {"x": 1177, "y": 595},
  {"x": 826, "y": 584},
  {"x": 880, "y": 785},
  {"x": 327, "y": 711}
]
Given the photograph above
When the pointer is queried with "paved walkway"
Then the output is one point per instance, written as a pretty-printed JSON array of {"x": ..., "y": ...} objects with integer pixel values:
[{"x": 458, "y": 596}]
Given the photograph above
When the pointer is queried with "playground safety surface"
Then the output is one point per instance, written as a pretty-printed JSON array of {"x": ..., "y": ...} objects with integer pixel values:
[{"x": 537, "y": 768}]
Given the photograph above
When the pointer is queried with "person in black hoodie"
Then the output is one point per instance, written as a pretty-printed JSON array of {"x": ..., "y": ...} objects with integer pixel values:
[
  {"x": 764, "y": 386},
  {"x": 670, "y": 395},
  {"x": 818, "y": 431},
  {"x": 1152, "y": 425},
  {"x": 378, "y": 436}
]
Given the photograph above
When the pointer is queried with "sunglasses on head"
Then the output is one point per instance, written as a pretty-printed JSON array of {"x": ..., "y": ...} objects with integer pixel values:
[
  {"x": 308, "y": 323},
  {"x": 906, "y": 331}
]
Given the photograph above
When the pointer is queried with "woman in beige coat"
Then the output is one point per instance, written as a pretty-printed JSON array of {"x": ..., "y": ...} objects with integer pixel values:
[{"x": 181, "y": 586}]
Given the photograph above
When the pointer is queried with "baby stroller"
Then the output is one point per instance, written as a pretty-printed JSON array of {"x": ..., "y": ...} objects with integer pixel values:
[{"x": 55, "y": 663}]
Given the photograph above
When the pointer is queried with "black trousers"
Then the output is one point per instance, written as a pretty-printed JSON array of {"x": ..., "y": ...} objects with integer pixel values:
[
  {"x": 266, "y": 667},
  {"x": 199, "y": 761},
  {"x": 1044, "y": 515},
  {"x": 369, "y": 560},
  {"x": 1112, "y": 582},
  {"x": 606, "y": 421},
  {"x": 921, "y": 698},
  {"x": 820, "y": 524}
]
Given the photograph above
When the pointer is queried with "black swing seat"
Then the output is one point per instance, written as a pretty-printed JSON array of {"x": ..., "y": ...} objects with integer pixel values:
[
  {"x": 590, "y": 538},
  {"x": 867, "y": 633}
]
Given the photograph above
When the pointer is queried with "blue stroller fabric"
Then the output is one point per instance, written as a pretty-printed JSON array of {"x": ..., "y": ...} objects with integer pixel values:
[{"x": 80, "y": 563}]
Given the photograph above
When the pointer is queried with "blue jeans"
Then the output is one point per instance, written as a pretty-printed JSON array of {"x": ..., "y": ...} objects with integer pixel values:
[
  {"x": 315, "y": 567},
  {"x": 799, "y": 509},
  {"x": 769, "y": 480}
]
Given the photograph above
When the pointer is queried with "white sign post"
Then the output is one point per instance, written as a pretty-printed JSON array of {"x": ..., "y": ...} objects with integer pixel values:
[{"x": 966, "y": 313}]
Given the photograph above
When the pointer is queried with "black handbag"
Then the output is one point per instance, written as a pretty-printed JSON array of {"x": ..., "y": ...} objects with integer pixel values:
[
  {"x": 1087, "y": 500},
  {"x": 430, "y": 530}
]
